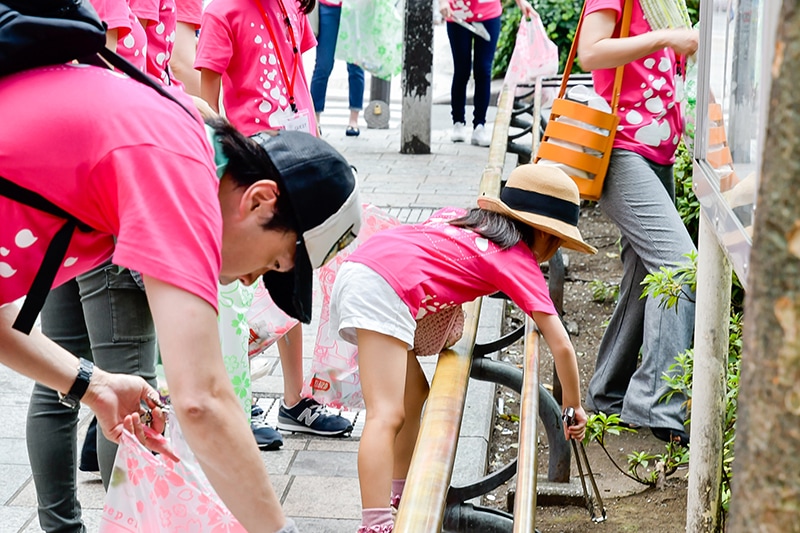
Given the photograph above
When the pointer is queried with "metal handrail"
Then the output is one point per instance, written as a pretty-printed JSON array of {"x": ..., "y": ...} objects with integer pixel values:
[{"x": 525, "y": 500}]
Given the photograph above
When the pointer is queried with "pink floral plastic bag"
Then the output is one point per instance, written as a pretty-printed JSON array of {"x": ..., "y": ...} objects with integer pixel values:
[
  {"x": 267, "y": 322},
  {"x": 534, "y": 54},
  {"x": 149, "y": 493},
  {"x": 333, "y": 379}
]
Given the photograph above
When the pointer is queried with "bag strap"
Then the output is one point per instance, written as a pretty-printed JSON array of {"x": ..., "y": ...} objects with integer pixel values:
[
  {"x": 56, "y": 250},
  {"x": 627, "y": 11}
]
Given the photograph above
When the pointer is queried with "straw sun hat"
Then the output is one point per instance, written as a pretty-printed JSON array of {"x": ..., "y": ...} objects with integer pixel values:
[{"x": 544, "y": 197}]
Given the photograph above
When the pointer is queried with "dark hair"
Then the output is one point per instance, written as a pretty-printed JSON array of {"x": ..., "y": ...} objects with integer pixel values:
[
  {"x": 249, "y": 163},
  {"x": 504, "y": 231},
  {"x": 307, "y": 6}
]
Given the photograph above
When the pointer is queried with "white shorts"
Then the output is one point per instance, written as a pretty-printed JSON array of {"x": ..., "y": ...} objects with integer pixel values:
[{"x": 362, "y": 299}]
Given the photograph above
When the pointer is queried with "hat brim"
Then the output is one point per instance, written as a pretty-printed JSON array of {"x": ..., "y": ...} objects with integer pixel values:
[
  {"x": 291, "y": 291},
  {"x": 566, "y": 232}
]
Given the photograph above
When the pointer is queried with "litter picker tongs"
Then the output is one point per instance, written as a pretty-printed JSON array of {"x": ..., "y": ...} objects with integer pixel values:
[{"x": 580, "y": 457}]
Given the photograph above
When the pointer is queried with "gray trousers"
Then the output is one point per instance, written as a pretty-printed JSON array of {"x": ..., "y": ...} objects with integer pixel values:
[
  {"x": 102, "y": 316},
  {"x": 639, "y": 197}
]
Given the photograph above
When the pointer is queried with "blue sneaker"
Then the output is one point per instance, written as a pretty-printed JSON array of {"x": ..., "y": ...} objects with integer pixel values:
[
  {"x": 310, "y": 416},
  {"x": 266, "y": 437}
]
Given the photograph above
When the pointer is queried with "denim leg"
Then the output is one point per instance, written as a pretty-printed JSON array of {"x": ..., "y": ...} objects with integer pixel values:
[
  {"x": 461, "y": 48},
  {"x": 326, "y": 48},
  {"x": 121, "y": 333},
  {"x": 482, "y": 70},
  {"x": 638, "y": 197},
  {"x": 51, "y": 430},
  {"x": 355, "y": 86}
]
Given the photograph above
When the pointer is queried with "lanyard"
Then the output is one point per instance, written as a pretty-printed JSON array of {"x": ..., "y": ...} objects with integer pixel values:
[{"x": 289, "y": 82}]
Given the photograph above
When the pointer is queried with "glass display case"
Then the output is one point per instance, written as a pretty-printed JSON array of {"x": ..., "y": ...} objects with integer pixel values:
[{"x": 732, "y": 81}]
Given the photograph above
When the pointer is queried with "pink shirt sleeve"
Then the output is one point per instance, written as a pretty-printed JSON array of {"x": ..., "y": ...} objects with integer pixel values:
[
  {"x": 170, "y": 229},
  {"x": 116, "y": 15},
  {"x": 518, "y": 275},
  {"x": 215, "y": 45},
  {"x": 308, "y": 40},
  {"x": 145, "y": 9},
  {"x": 190, "y": 11}
]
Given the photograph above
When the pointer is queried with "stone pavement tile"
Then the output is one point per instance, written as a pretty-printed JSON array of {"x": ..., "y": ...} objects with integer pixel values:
[
  {"x": 334, "y": 445},
  {"x": 279, "y": 461},
  {"x": 325, "y": 464},
  {"x": 470, "y": 464},
  {"x": 323, "y": 497},
  {"x": 14, "y": 451},
  {"x": 12, "y": 519},
  {"x": 14, "y": 418},
  {"x": 315, "y": 525},
  {"x": 12, "y": 478}
]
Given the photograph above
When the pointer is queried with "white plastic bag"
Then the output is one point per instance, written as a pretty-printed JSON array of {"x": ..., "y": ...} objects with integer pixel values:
[
  {"x": 267, "y": 322},
  {"x": 334, "y": 379},
  {"x": 534, "y": 54},
  {"x": 150, "y": 493}
]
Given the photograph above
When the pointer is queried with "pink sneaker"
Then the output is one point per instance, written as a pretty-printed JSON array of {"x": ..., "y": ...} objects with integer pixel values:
[{"x": 385, "y": 528}]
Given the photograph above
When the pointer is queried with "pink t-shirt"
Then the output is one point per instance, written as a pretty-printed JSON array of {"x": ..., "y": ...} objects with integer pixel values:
[
  {"x": 650, "y": 118},
  {"x": 476, "y": 10},
  {"x": 160, "y": 41},
  {"x": 119, "y": 157},
  {"x": 332, "y": 3},
  {"x": 131, "y": 39},
  {"x": 190, "y": 11},
  {"x": 235, "y": 42},
  {"x": 434, "y": 265}
]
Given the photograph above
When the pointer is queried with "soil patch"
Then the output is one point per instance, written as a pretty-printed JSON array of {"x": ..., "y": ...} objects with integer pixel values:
[{"x": 631, "y": 507}]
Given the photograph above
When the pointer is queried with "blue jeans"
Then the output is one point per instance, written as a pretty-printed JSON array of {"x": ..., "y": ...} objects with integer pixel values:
[
  {"x": 326, "y": 48},
  {"x": 102, "y": 316},
  {"x": 472, "y": 53}
]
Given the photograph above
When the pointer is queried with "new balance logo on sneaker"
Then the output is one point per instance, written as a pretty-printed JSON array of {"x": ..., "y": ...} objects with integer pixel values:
[{"x": 309, "y": 416}]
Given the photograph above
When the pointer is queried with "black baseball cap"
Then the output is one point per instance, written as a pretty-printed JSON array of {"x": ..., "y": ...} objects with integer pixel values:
[{"x": 321, "y": 187}]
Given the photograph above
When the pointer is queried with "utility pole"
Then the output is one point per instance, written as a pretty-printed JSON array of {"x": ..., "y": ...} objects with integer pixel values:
[{"x": 415, "y": 123}]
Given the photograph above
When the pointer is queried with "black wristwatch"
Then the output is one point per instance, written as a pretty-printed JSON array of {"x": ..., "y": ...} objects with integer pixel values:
[{"x": 78, "y": 389}]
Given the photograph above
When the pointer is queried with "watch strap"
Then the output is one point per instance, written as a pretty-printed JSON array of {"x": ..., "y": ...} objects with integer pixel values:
[{"x": 81, "y": 383}]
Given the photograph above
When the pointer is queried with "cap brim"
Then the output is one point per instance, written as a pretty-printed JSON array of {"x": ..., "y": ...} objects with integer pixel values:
[
  {"x": 291, "y": 291},
  {"x": 566, "y": 232}
]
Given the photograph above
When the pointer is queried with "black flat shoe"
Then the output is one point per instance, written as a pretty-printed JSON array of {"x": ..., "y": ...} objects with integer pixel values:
[
  {"x": 352, "y": 131},
  {"x": 671, "y": 435}
]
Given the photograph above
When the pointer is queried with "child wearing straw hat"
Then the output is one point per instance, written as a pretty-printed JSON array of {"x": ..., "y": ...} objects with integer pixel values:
[{"x": 400, "y": 280}]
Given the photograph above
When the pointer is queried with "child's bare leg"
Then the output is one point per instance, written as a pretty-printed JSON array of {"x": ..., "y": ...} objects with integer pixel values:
[
  {"x": 290, "y": 348},
  {"x": 416, "y": 394},
  {"x": 382, "y": 365}
]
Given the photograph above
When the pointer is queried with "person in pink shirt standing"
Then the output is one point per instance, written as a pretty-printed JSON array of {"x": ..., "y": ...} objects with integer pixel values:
[
  {"x": 160, "y": 42},
  {"x": 252, "y": 50},
  {"x": 639, "y": 197},
  {"x": 473, "y": 54},
  {"x": 394, "y": 281}
]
